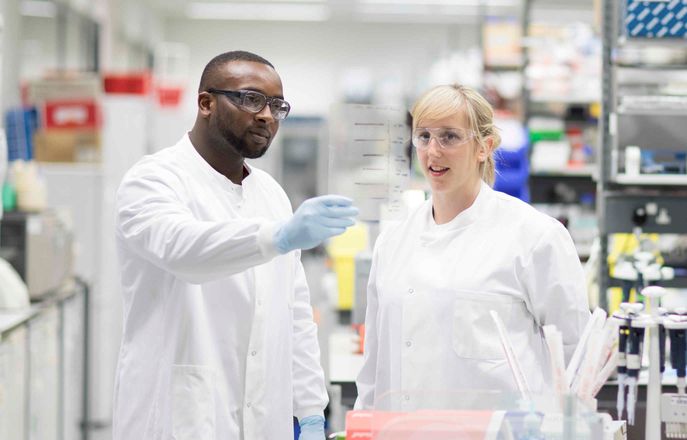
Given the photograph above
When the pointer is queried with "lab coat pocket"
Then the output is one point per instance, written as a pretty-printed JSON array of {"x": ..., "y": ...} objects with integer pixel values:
[
  {"x": 193, "y": 402},
  {"x": 474, "y": 332}
]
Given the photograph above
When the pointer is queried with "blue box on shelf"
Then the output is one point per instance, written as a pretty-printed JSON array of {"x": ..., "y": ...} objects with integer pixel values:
[
  {"x": 664, "y": 19},
  {"x": 20, "y": 125}
]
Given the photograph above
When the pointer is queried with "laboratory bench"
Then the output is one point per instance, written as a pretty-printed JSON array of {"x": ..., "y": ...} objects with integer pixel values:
[
  {"x": 345, "y": 362},
  {"x": 43, "y": 373}
]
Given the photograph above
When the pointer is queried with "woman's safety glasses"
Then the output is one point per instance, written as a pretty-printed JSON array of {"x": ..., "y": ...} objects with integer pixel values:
[
  {"x": 447, "y": 137},
  {"x": 253, "y": 102}
]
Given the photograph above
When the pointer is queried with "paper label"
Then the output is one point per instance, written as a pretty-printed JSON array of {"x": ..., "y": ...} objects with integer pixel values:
[{"x": 633, "y": 362}]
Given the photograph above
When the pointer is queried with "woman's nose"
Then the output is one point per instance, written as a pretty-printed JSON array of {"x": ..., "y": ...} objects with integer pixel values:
[{"x": 434, "y": 147}]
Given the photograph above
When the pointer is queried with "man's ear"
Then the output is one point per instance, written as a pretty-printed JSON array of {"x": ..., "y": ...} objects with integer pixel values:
[{"x": 205, "y": 104}]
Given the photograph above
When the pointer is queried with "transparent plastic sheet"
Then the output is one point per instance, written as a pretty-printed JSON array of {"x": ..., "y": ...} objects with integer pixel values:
[
  {"x": 472, "y": 415},
  {"x": 369, "y": 158}
]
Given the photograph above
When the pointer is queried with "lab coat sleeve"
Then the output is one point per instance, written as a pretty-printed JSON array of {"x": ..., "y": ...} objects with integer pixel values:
[
  {"x": 153, "y": 222},
  {"x": 309, "y": 391},
  {"x": 365, "y": 382},
  {"x": 556, "y": 287}
]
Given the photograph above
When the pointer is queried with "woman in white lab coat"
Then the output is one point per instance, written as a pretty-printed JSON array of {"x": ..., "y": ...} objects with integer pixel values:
[{"x": 468, "y": 250}]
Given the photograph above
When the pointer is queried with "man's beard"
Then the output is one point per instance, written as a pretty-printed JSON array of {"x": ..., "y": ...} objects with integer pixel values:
[{"x": 241, "y": 145}]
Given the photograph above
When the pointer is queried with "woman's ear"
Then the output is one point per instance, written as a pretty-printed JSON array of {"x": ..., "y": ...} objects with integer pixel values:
[{"x": 485, "y": 149}]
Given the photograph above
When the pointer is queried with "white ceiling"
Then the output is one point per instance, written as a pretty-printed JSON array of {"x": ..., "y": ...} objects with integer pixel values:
[{"x": 440, "y": 11}]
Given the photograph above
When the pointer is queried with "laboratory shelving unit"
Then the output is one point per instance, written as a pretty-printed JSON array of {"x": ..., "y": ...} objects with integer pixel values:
[
  {"x": 567, "y": 191},
  {"x": 630, "y": 113},
  {"x": 558, "y": 13},
  {"x": 548, "y": 102}
]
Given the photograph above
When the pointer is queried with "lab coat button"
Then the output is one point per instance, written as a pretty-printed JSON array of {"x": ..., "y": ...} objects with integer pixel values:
[
  {"x": 406, "y": 397},
  {"x": 253, "y": 353},
  {"x": 408, "y": 343},
  {"x": 410, "y": 290},
  {"x": 248, "y": 405}
]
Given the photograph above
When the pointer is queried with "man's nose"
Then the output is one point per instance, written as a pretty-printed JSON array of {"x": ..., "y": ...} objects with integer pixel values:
[{"x": 265, "y": 114}]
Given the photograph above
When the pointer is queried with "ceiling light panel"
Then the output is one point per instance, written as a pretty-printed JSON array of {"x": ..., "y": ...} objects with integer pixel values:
[{"x": 273, "y": 11}]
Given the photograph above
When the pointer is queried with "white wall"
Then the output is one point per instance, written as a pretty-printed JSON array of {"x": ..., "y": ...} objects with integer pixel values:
[
  {"x": 312, "y": 57},
  {"x": 11, "y": 54},
  {"x": 38, "y": 45}
]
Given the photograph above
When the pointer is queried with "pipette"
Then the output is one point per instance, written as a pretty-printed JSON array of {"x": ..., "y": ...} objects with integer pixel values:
[
  {"x": 634, "y": 362},
  {"x": 595, "y": 323},
  {"x": 673, "y": 405},
  {"x": 653, "y": 325},
  {"x": 518, "y": 375},
  {"x": 627, "y": 289},
  {"x": 622, "y": 319},
  {"x": 676, "y": 323}
]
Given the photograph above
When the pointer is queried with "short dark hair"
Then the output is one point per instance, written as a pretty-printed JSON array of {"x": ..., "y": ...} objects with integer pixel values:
[{"x": 213, "y": 67}]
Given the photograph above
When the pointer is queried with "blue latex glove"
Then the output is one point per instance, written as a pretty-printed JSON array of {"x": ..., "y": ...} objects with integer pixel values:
[
  {"x": 312, "y": 428},
  {"x": 314, "y": 221}
]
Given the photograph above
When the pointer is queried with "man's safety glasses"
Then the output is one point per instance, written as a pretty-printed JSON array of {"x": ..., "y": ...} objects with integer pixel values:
[
  {"x": 253, "y": 102},
  {"x": 447, "y": 137}
]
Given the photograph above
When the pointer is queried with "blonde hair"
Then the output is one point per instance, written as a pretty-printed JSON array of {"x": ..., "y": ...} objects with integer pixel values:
[{"x": 447, "y": 100}]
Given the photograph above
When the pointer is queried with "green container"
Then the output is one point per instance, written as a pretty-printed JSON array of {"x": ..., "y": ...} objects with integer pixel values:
[
  {"x": 9, "y": 197},
  {"x": 546, "y": 135}
]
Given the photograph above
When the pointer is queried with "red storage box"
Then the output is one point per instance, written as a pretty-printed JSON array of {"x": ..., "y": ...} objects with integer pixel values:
[
  {"x": 72, "y": 114},
  {"x": 128, "y": 83},
  {"x": 169, "y": 96}
]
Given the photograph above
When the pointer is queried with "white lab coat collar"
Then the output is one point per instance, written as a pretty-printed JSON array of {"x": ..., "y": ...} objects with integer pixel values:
[
  {"x": 432, "y": 232},
  {"x": 202, "y": 165}
]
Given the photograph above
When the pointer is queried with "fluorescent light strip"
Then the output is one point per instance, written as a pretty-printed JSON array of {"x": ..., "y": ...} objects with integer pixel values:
[
  {"x": 419, "y": 11},
  {"x": 464, "y": 19},
  {"x": 258, "y": 11},
  {"x": 36, "y": 8},
  {"x": 264, "y": 2},
  {"x": 432, "y": 3}
]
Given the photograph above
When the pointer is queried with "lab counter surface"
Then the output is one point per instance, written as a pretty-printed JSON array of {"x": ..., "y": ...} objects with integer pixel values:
[
  {"x": 43, "y": 369},
  {"x": 345, "y": 363}
]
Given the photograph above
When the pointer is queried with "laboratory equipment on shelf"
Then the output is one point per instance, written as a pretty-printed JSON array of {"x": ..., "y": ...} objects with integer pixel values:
[
  {"x": 512, "y": 162},
  {"x": 643, "y": 266},
  {"x": 40, "y": 248}
]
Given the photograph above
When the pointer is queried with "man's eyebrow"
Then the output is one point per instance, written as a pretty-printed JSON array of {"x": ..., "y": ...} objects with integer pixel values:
[{"x": 252, "y": 89}]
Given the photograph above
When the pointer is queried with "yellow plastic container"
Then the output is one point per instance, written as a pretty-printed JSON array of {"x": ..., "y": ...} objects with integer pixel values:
[
  {"x": 342, "y": 249},
  {"x": 624, "y": 244}
]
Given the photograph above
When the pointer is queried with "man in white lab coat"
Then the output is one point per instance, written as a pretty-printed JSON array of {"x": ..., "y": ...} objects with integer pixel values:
[{"x": 219, "y": 340}]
